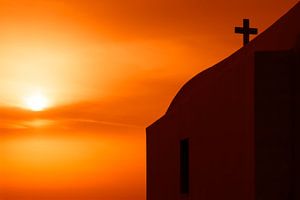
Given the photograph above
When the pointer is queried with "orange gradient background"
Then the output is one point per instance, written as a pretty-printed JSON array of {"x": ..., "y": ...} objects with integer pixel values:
[{"x": 108, "y": 69}]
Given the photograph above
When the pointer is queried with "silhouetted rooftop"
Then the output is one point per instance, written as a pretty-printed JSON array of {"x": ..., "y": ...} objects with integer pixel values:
[{"x": 282, "y": 35}]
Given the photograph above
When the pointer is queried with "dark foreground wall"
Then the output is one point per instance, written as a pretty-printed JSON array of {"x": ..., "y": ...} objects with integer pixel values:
[{"x": 277, "y": 125}]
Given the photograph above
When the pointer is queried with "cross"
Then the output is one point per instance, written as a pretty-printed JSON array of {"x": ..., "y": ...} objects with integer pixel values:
[{"x": 246, "y": 31}]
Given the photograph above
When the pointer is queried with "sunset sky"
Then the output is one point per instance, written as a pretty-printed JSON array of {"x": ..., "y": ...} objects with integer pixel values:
[{"x": 80, "y": 80}]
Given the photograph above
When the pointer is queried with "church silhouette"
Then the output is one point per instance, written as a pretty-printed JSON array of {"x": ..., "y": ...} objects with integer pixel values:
[{"x": 233, "y": 131}]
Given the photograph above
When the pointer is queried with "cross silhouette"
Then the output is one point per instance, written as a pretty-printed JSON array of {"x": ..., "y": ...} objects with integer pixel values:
[{"x": 246, "y": 31}]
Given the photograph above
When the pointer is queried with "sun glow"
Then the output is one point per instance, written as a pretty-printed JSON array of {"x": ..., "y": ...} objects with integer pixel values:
[{"x": 36, "y": 102}]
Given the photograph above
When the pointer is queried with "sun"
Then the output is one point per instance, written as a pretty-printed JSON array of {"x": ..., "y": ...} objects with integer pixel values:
[{"x": 36, "y": 102}]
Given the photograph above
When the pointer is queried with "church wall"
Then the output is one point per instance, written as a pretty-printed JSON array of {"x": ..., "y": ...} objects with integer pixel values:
[
  {"x": 219, "y": 123},
  {"x": 296, "y": 96},
  {"x": 274, "y": 132},
  {"x": 217, "y": 117},
  {"x": 163, "y": 160}
]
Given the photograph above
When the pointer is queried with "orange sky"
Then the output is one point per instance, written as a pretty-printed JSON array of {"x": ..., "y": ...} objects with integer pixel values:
[{"x": 108, "y": 68}]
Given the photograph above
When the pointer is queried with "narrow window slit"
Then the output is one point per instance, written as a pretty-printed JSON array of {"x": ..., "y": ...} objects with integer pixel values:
[{"x": 184, "y": 166}]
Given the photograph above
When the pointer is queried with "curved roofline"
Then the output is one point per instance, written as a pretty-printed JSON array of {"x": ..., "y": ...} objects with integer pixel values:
[{"x": 245, "y": 49}]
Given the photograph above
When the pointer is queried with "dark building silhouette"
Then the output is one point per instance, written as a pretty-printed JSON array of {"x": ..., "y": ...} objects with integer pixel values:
[{"x": 233, "y": 131}]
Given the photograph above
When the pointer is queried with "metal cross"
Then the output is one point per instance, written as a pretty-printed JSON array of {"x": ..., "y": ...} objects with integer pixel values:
[{"x": 246, "y": 31}]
